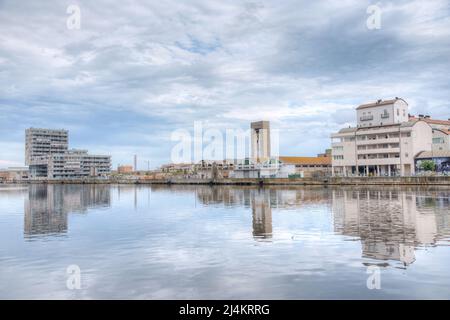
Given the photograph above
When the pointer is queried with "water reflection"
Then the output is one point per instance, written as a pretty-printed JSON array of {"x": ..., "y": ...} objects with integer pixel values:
[
  {"x": 392, "y": 224},
  {"x": 47, "y": 206}
]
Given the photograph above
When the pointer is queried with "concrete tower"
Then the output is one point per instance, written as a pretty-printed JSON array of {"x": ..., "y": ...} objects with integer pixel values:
[{"x": 260, "y": 141}]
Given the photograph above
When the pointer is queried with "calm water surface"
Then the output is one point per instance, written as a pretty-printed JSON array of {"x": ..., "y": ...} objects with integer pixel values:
[{"x": 224, "y": 242}]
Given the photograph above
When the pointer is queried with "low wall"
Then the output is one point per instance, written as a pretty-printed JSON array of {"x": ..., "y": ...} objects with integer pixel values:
[{"x": 432, "y": 180}]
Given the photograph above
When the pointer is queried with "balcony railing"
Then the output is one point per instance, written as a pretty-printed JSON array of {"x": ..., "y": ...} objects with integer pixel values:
[{"x": 366, "y": 118}]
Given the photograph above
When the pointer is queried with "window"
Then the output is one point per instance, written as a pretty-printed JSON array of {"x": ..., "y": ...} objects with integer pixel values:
[
  {"x": 340, "y": 157},
  {"x": 438, "y": 140}
]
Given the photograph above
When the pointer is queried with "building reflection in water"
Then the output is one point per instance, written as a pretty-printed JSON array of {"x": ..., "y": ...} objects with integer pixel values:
[
  {"x": 391, "y": 224},
  {"x": 262, "y": 201},
  {"x": 262, "y": 214},
  {"x": 47, "y": 206}
]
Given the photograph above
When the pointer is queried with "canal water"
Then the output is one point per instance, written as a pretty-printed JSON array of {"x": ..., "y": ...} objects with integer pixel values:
[{"x": 223, "y": 242}]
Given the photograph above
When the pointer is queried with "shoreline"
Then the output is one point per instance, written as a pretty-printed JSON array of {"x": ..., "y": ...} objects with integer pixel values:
[{"x": 343, "y": 181}]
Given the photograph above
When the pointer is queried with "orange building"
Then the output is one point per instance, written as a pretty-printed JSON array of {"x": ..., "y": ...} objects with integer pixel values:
[{"x": 125, "y": 169}]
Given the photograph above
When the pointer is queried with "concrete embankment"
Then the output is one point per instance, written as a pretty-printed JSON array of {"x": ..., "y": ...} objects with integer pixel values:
[{"x": 388, "y": 181}]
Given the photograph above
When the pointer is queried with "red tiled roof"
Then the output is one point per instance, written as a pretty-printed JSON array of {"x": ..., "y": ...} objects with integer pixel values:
[
  {"x": 307, "y": 160},
  {"x": 433, "y": 121}
]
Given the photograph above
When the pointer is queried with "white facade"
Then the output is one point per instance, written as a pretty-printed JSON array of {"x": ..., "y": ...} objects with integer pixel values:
[{"x": 380, "y": 150}]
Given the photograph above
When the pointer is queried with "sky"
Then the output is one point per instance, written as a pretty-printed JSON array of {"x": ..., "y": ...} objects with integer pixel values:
[{"x": 136, "y": 71}]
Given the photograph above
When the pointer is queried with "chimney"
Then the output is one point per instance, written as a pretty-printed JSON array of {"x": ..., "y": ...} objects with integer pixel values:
[
  {"x": 420, "y": 116},
  {"x": 379, "y": 101},
  {"x": 427, "y": 117}
]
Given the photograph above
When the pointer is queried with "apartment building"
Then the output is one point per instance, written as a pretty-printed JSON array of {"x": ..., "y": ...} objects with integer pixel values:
[
  {"x": 48, "y": 156},
  {"x": 383, "y": 143}
]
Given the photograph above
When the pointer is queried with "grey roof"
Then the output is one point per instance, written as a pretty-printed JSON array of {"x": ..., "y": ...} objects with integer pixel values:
[
  {"x": 379, "y": 103},
  {"x": 345, "y": 130},
  {"x": 410, "y": 123},
  {"x": 434, "y": 154}
]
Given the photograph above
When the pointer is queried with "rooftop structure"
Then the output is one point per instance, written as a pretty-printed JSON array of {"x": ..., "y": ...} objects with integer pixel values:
[{"x": 382, "y": 112}]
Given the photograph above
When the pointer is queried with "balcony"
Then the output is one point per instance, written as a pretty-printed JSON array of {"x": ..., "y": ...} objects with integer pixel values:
[
  {"x": 384, "y": 115},
  {"x": 366, "y": 118},
  {"x": 380, "y": 150},
  {"x": 377, "y": 141},
  {"x": 378, "y": 161}
]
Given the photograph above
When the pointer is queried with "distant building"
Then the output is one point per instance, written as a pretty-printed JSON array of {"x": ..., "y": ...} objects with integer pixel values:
[
  {"x": 260, "y": 140},
  {"x": 310, "y": 166},
  {"x": 14, "y": 174},
  {"x": 271, "y": 168},
  {"x": 125, "y": 169},
  {"x": 384, "y": 142},
  {"x": 48, "y": 156}
]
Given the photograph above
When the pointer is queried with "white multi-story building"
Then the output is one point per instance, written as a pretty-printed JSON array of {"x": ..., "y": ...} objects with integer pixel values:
[
  {"x": 48, "y": 156},
  {"x": 384, "y": 142}
]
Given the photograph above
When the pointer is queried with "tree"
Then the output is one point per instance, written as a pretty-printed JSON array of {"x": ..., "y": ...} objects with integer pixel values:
[{"x": 427, "y": 165}]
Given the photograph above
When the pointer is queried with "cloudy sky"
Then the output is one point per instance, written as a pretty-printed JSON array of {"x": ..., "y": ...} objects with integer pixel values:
[{"x": 136, "y": 71}]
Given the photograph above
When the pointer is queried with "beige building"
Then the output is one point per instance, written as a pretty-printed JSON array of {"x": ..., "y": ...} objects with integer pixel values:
[
  {"x": 384, "y": 142},
  {"x": 260, "y": 141},
  {"x": 13, "y": 174}
]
